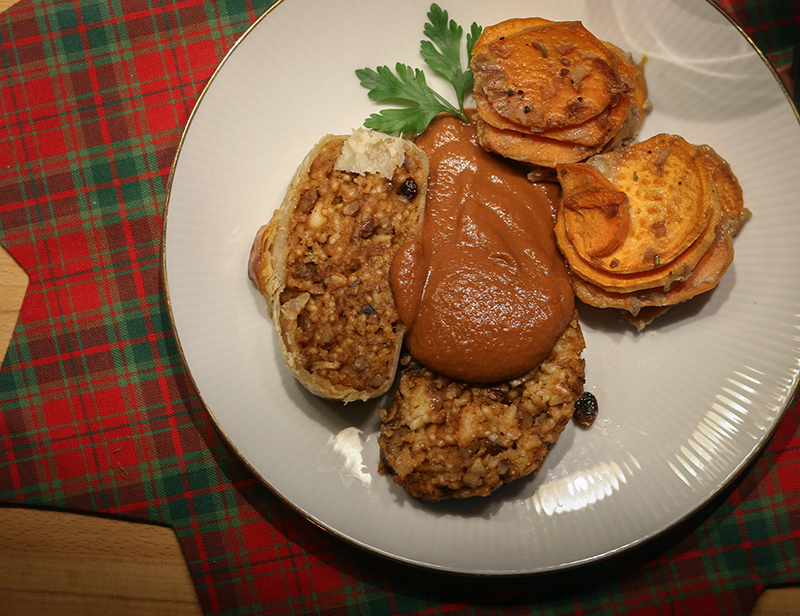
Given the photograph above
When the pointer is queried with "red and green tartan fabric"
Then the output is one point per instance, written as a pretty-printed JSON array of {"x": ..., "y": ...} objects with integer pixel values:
[{"x": 97, "y": 410}]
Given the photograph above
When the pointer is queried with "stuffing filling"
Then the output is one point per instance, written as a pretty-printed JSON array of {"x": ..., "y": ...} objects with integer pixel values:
[
  {"x": 337, "y": 304},
  {"x": 446, "y": 439}
]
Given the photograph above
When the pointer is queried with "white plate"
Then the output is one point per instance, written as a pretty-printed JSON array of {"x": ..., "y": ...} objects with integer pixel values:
[{"x": 684, "y": 406}]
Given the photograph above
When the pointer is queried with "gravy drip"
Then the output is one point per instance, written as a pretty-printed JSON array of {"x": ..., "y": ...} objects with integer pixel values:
[{"x": 483, "y": 290}]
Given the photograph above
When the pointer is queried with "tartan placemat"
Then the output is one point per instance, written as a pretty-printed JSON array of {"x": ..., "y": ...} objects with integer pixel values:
[{"x": 99, "y": 414}]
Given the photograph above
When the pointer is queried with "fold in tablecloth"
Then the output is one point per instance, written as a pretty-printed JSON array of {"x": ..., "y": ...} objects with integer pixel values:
[{"x": 98, "y": 412}]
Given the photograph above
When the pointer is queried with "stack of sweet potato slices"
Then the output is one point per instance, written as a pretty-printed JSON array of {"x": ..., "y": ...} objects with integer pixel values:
[
  {"x": 648, "y": 225},
  {"x": 550, "y": 93}
]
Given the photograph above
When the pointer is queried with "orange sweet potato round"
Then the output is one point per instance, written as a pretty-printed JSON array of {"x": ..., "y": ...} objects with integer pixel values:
[
  {"x": 532, "y": 149},
  {"x": 644, "y": 303},
  {"x": 671, "y": 201},
  {"x": 550, "y": 93},
  {"x": 594, "y": 132},
  {"x": 595, "y": 215},
  {"x": 729, "y": 191},
  {"x": 662, "y": 276},
  {"x": 704, "y": 277},
  {"x": 546, "y": 75}
]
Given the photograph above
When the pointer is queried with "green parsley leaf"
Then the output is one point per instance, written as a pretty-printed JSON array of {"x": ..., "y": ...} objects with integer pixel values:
[
  {"x": 408, "y": 85},
  {"x": 442, "y": 54}
]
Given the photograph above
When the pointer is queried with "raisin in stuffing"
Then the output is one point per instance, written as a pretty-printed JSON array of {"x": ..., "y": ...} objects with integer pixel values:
[
  {"x": 586, "y": 409},
  {"x": 408, "y": 189}
]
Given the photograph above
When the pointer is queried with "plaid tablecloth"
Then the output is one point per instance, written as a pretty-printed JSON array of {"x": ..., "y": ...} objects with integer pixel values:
[{"x": 98, "y": 412}]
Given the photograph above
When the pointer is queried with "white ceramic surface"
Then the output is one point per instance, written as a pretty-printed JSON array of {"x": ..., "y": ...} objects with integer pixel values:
[{"x": 683, "y": 406}]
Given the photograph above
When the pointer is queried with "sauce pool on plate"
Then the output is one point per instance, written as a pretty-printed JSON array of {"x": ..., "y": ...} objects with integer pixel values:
[{"x": 483, "y": 291}]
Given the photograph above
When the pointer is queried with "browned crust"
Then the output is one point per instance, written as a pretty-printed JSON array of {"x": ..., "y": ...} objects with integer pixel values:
[
  {"x": 447, "y": 439},
  {"x": 321, "y": 298}
]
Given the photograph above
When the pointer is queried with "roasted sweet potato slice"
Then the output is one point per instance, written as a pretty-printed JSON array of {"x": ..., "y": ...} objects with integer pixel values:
[
  {"x": 593, "y": 133},
  {"x": 657, "y": 277},
  {"x": 642, "y": 306},
  {"x": 704, "y": 277},
  {"x": 505, "y": 28},
  {"x": 671, "y": 200},
  {"x": 729, "y": 191},
  {"x": 595, "y": 214},
  {"x": 531, "y": 149},
  {"x": 547, "y": 75},
  {"x": 596, "y": 131}
]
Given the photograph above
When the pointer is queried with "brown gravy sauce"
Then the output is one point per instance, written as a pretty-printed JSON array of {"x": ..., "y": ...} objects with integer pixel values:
[{"x": 483, "y": 290}]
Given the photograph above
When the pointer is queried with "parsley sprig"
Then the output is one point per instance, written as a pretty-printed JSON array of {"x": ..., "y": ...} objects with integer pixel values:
[{"x": 442, "y": 54}]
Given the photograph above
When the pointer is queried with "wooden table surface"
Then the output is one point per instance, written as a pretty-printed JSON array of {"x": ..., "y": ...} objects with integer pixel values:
[
  {"x": 57, "y": 562},
  {"x": 13, "y": 284}
]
